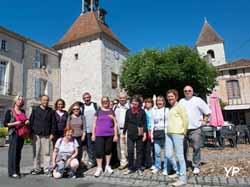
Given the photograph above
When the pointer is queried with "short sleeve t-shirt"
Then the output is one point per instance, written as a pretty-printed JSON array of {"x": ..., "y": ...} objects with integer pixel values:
[
  {"x": 77, "y": 124},
  {"x": 89, "y": 113},
  {"x": 105, "y": 123},
  {"x": 195, "y": 108},
  {"x": 66, "y": 149}
]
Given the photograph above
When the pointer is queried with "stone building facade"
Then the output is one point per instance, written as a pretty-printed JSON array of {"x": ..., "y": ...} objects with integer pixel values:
[
  {"x": 26, "y": 68},
  {"x": 234, "y": 81}
]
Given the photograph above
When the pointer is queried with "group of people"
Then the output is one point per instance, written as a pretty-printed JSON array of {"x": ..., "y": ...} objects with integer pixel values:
[{"x": 137, "y": 130}]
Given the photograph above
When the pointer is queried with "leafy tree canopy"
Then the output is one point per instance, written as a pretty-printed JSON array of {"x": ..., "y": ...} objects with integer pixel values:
[{"x": 154, "y": 71}]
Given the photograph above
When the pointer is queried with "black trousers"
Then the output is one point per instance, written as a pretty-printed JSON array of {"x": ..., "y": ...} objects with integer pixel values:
[
  {"x": 14, "y": 155},
  {"x": 147, "y": 151},
  {"x": 132, "y": 163},
  {"x": 80, "y": 148}
]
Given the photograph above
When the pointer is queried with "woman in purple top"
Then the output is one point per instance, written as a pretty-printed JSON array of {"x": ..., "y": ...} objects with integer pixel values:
[{"x": 104, "y": 133}]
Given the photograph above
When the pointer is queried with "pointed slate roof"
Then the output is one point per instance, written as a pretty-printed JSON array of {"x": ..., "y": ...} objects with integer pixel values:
[
  {"x": 208, "y": 36},
  {"x": 87, "y": 25}
]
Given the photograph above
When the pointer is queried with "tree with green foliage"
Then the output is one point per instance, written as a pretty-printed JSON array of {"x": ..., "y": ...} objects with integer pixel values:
[{"x": 154, "y": 71}]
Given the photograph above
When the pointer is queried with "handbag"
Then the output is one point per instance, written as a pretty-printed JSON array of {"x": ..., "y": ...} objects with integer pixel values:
[
  {"x": 23, "y": 130},
  {"x": 160, "y": 134}
]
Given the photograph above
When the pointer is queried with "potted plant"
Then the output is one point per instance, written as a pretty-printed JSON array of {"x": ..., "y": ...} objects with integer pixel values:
[{"x": 3, "y": 134}]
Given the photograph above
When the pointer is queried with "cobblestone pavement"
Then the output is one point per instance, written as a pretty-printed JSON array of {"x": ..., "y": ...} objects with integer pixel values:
[{"x": 118, "y": 179}]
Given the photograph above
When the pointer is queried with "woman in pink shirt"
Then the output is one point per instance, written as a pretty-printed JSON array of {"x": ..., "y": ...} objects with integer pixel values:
[{"x": 14, "y": 119}]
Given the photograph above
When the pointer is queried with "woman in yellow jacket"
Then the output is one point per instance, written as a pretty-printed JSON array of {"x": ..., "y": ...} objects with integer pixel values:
[{"x": 175, "y": 132}]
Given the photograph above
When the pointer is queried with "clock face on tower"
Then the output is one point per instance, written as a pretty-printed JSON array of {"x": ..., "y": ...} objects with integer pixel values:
[{"x": 116, "y": 54}]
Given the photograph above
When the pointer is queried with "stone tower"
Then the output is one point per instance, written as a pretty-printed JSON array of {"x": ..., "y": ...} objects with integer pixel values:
[
  {"x": 91, "y": 56},
  {"x": 210, "y": 45}
]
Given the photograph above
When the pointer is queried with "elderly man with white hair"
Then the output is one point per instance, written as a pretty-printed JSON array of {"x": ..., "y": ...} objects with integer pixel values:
[
  {"x": 120, "y": 112},
  {"x": 198, "y": 113}
]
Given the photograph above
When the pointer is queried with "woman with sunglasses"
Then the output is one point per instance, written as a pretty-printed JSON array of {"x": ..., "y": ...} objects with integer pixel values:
[
  {"x": 64, "y": 155},
  {"x": 15, "y": 118},
  {"x": 77, "y": 122},
  {"x": 104, "y": 133},
  {"x": 176, "y": 130}
]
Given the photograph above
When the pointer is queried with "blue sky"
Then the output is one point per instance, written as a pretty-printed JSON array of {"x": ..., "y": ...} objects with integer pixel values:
[{"x": 138, "y": 23}]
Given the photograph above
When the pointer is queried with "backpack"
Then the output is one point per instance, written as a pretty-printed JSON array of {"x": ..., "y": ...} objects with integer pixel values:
[{"x": 82, "y": 106}]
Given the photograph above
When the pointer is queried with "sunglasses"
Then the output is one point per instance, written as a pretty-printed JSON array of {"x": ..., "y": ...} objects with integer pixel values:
[
  {"x": 187, "y": 91},
  {"x": 76, "y": 109}
]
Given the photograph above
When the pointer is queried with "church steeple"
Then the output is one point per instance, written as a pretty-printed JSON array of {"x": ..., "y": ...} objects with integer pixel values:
[
  {"x": 208, "y": 35},
  {"x": 210, "y": 45}
]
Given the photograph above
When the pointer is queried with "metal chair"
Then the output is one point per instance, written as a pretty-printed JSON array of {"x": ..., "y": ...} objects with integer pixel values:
[
  {"x": 243, "y": 134},
  {"x": 228, "y": 132},
  {"x": 209, "y": 134}
]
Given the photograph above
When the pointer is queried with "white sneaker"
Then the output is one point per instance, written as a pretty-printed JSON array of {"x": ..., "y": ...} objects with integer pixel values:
[
  {"x": 98, "y": 172},
  {"x": 156, "y": 170},
  {"x": 196, "y": 171},
  {"x": 153, "y": 168},
  {"x": 165, "y": 172},
  {"x": 173, "y": 176},
  {"x": 108, "y": 170},
  {"x": 179, "y": 183}
]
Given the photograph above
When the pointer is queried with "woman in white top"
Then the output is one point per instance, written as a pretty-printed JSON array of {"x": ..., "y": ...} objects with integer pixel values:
[
  {"x": 64, "y": 155},
  {"x": 158, "y": 131}
]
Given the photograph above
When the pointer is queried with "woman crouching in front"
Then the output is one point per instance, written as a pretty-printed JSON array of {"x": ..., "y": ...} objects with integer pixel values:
[{"x": 64, "y": 156}]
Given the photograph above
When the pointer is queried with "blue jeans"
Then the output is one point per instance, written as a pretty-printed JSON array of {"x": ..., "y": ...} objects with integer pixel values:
[
  {"x": 91, "y": 149},
  {"x": 159, "y": 145},
  {"x": 176, "y": 141}
]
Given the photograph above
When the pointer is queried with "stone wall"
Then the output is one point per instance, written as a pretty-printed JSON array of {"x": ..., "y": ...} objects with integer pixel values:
[
  {"x": 83, "y": 74},
  {"x": 112, "y": 59}
]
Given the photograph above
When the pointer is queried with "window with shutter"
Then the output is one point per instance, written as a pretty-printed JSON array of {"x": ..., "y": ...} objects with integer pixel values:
[
  {"x": 43, "y": 60},
  {"x": 37, "y": 62},
  {"x": 233, "y": 89},
  {"x": 4, "y": 45},
  {"x": 2, "y": 77}
]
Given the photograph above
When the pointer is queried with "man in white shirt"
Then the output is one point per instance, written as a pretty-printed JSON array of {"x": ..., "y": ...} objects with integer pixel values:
[
  {"x": 198, "y": 113},
  {"x": 120, "y": 113},
  {"x": 88, "y": 109}
]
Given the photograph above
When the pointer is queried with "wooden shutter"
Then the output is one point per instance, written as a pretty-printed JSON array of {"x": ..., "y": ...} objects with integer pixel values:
[
  {"x": 37, "y": 88},
  {"x": 233, "y": 89},
  {"x": 50, "y": 87}
]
